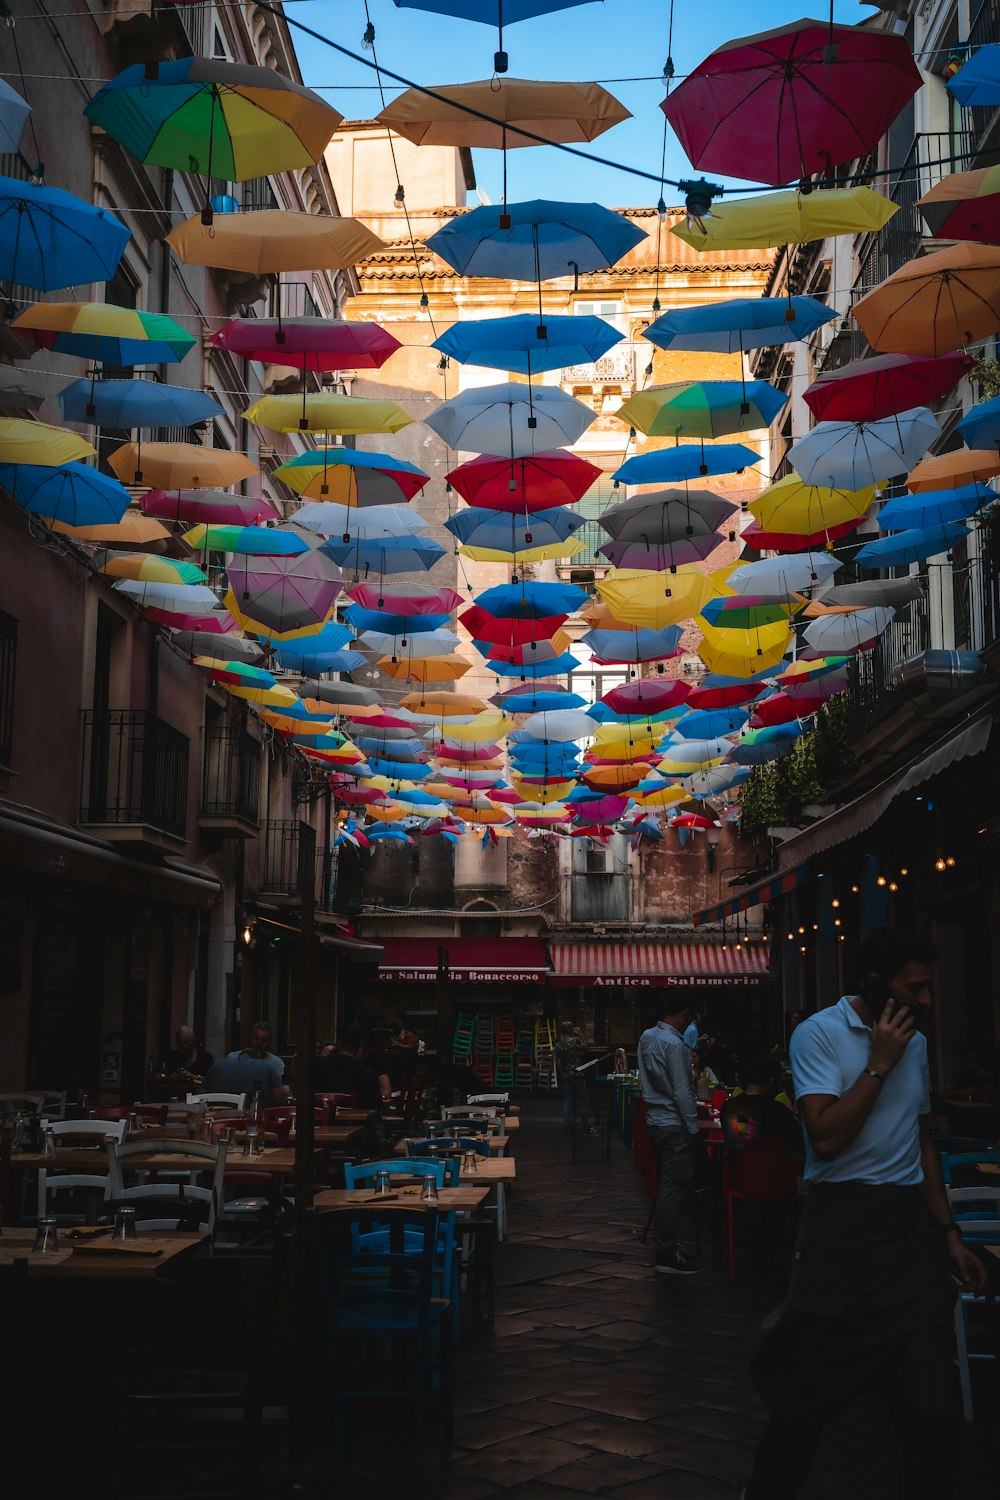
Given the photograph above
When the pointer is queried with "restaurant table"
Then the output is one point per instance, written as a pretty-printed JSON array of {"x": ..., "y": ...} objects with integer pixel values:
[
  {"x": 461, "y": 1199},
  {"x": 278, "y": 1161},
  {"x": 497, "y": 1143},
  {"x": 497, "y": 1171},
  {"x": 98, "y": 1259}
]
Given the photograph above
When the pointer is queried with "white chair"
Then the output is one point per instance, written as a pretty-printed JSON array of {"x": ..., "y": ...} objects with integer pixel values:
[
  {"x": 488, "y": 1099},
  {"x": 42, "y": 1101},
  {"x": 69, "y": 1186},
  {"x": 469, "y": 1112},
  {"x": 229, "y": 1101},
  {"x": 68, "y": 1132},
  {"x": 140, "y": 1156}
]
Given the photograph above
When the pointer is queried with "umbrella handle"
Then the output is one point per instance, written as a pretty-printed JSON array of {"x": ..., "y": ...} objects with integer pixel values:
[
  {"x": 208, "y": 212},
  {"x": 500, "y": 59},
  {"x": 151, "y": 71}
]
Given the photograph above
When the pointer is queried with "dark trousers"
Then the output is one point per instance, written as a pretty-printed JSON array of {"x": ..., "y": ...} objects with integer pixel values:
[
  {"x": 674, "y": 1227},
  {"x": 788, "y": 1448}
]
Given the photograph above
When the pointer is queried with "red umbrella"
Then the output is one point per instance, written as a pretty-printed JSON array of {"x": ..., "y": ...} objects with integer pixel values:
[
  {"x": 692, "y": 820},
  {"x": 483, "y": 626},
  {"x": 780, "y": 709},
  {"x": 647, "y": 696},
  {"x": 784, "y": 104},
  {"x": 793, "y": 541},
  {"x": 868, "y": 389},
  {"x": 725, "y": 697},
  {"x": 465, "y": 754},
  {"x": 308, "y": 343},
  {"x": 554, "y": 478}
]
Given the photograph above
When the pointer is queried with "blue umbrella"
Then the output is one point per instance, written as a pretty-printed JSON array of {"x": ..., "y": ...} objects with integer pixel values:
[
  {"x": 531, "y": 601},
  {"x": 392, "y": 554},
  {"x": 686, "y": 461},
  {"x": 935, "y": 507},
  {"x": 977, "y": 81},
  {"x": 909, "y": 546},
  {"x": 379, "y": 619},
  {"x": 504, "y": 532},
  {"x": 398, "y": 770},
  {"x": 402, "y": 750},
  {"x": 559, "y": 666},
  {"x": 605, "y": 715},
  {"x": 135, "y": 403},
  {"x": 529, "y": 702},
  {"x": 51, "y": 239},
  {"x": 306, "y": 654},
  {"x": 534, "y": 241},
  {"x": 633, "y": 645},
  {"x": 72, "y": 493},
  {"x": 980, "y": 427},
  {"x": 708, "y": 723},
  {"x": 523, "y": 345},
  {"x": 741, "y": 324},
  {"x": 385, "y": 833}
]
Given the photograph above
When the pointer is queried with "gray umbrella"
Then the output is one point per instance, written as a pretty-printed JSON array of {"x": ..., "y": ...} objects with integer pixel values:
[
  {"x": 17, "y": 394},
  {"x": 892, "y": 591},
  {"x": 222, "y": 646},
  {"x": 661, "y": 516},
  {"x": 350, "y": 694}
]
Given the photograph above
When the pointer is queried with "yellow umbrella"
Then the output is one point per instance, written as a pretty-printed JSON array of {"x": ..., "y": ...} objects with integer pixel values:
[
  {"x": 273, "y": 240},
  {"x": 133, "y": 530},
  {"x": 426, "y": 668},
  {"x": 24, "y": 442},
  {"x": 327, "y": 412},
  {"x": 148, "y": 567},
  {"x": 276, "y": 698},
  {"x": 788, "y": 218},
  {"x": 655, "y": 600},
  {"x": 792, "y": 506},
  {"x": 483, "y": 729},
  {"x": 389, "y": 784},
  {"x": 550, "y": 551},
  {"x": 628, "y": 750},
  {"x": 667, "y": 796},
  {"x": 558, "y": 111},
  {"x": 179, "y": 466},
  {"x": 742, "y": 653},
  {"x": 534, "y": 793},
  {"x": 257, "y": 627},
  {"x": 482, "y": 814},
  {"x": 443, "y": 705},
  {"x": 951, "y": 470},
  {"x": 685, "y": 767}
]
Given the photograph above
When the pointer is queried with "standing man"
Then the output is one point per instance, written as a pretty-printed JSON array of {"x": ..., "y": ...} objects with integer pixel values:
[
  {"x": 672, "y": 1121},
  {"x": 871, "y": 1300},
  {"x": 692, "y": 1033}
]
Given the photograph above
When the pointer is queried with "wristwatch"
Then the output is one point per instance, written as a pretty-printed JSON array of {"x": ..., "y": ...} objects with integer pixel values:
[{"x": 871, "y": 1073}]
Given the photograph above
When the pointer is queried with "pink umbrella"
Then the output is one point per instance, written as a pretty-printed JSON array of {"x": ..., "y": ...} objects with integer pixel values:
[
  {"x": 218, "y": 624},
  {"x": 208, "y": 506},
  {"x": 647, "y": 695},
  {"x": 725, "y": 697},
  {"x": 406, "y": 599},
  {"x": 605, "y": 810},
  {"x": 308, "y": 343},
  {"x": 466, "y": 753},
  {"x": 282, "y": 594},
  {"x": 781, "y": 709}
]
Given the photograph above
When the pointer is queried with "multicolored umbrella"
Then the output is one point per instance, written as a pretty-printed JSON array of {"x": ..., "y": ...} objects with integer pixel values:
[
  {"x": 107, "y": 334},
  {"x": 255, "y": 541},
  {"x": 867, "y": 389},
  {"x": 977, "y": 82},
  {"x": 273, "y": 240},
  {"x": 68, "y": 492},
  {"x": 661, "y": 556},
  {"x": 964, "y": 206},
  {"x": 735, "y": 612},
  {"x": 282, "y": 594},
  {"x": 763, "y": 540},
  {"x": 179, "y": 465},
  {"x": 702, "y": 408},
  {"x": 51, "y": 239},
  {"x": 308, "y": 343},
  {"x": 208, "y": 506},
  {"x": 938, "y": 302},
  {"x": 348, "y": 476},
  {"x": 530, "y": 483},
  {"x": 788, "y": 218},
  {"x": 148, "y": 568}
]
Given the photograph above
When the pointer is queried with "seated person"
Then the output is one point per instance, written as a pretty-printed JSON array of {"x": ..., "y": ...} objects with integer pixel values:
[
  {"x": 755, "y": 1114},
  {"x": 344, "y": 1071},
  {"x": 188, "y": 1060},
  {"x": 254, "y": 1067}
]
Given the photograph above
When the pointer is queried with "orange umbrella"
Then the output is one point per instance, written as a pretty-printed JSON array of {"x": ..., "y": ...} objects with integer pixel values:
[
  {"x": 426, "y": 668},
  {"x": 179, "y": 466},
  {"x": 945, "y": 471},
  {"x": 442, "y": 705},
  {"x": 936, "y": 303},
  {"x": 133, "y": 530}
]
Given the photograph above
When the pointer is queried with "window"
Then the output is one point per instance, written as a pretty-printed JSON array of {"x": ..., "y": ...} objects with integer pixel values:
[
  {"x": 8, "y": 662},
  {"x": 598, "y": 862},
  {"x": 610, "y": 311}
]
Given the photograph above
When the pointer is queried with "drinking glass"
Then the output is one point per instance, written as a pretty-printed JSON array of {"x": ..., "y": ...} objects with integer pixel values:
[
  {"x": 251, "y": 1144},
  {"x": 46, "y": 1238},
  {"x": 470, "y": 1162},
  {"x": 124, "y": 1227},
  {"x": 381, "y": 1183},
  {"x": 429, "y": 1191},
  {"x": 224, "y": 1135}
]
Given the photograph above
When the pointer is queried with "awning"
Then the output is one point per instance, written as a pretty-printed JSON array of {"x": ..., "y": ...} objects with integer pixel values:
[
  {"x": 646, "y": 965},
  {"x": 758, "y": 894},
  {"x": 464, "y": 960}
]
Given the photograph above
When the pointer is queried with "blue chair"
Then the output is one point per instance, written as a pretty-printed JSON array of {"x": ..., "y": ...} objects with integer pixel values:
[
  {"x": 951, "y": 1145},
  {"x": 385, "y": 1328},
  {"x": 438, "y": 1129},
  {"x": 431, "y": 1149},
  {"x": 980, "y": 1227},
  {"x": 965, "y": 1163}
]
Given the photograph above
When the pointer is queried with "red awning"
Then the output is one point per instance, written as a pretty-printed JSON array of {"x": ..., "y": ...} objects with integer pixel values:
[
  {"x": 666, "y": 965},
  {"x": 467, "y": 960}
]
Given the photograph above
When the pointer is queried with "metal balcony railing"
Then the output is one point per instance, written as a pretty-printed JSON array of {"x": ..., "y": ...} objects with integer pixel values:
[
  {"x": 293, "y": 299},
  {"x": 280, "y": 863},
  {"x": 231, "y": 782},
  {"x": 134, "y": 770},
  {"x": 258, "y": 194},
  {"x": 871, "y": 696}
]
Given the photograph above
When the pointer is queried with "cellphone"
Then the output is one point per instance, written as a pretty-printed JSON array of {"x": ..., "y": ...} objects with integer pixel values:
[{"x": 875, "y": 994}]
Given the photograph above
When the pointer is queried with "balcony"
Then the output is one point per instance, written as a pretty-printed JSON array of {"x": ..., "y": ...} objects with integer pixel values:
[
  {"x": 280, "y": 874},
  {"x": 231, "y": 783},
  {"x": 871, "y": 696},
  {"x": 618, "y": 365},
  {"x": 134, "y": 777}
]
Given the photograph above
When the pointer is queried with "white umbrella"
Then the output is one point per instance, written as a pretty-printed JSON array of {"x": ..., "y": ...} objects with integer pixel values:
[
  {"x": 424, "y": 643},
  {"x": 361, "y": 524},
  {"x": 694, "y": 754},
  {"x": 178, "y": 598},
  {"x": 851, "y": 455},
  {"x": 560, "y": 725},
  {"x": 836, "y": 635},
  {"x": 497, "y": 419},
  {"x": 714, "y": 781},
  {"x": 775, "y": 578}
]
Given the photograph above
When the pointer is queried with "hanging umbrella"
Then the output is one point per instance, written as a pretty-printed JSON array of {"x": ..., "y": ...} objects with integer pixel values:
[
  {"x": 695, "y": 755},
  {"x": 175, "y": 598},
  {"x": 179, "y": 465},
  {"x": 964, "y": 206},
  {"x": 14, "y": 112},
  {"x": 216, "y": 118},
  {"x": 498, "y": 13},
  {"x": 780, "y": 708},
  {"x": 936, "y": 303},
  {"x": 873, "y": 591},
  {"x": 102, "y": 332},
  {"x": 788, "y": 218},
  {"x": 529, "y": 483},
  {"x": 702, "y": 408},
  {"x": 884, "y": 384},
  {"x": 340, "y": 694},
  {"x": 135, "y": 403},
  {"x": 526, "y": 346},
  {"x": 313, "y": 653},
  {"x": 507, "y": 632},
  {"x": 977, "y": 81},
  {"x": 787, "y": 103},
  {"x": 406, "y": 598},
  {"x": 148, "y": 567},
  {"x": 648, "y": 695},
  {"x": 776, "y": 578},
  {"x": 229, "y": 647},
  {"x": 661, "y": 556},
  {"x": 324, "y": 518},
  {"x": 17, "y": 394},
  {"x": 386, "y": 555},
  {"x": 534, "y": 241},
  {"x": 640, "y": 598},
  {"x": 308, "y": 343},
  {"x": 565, "y": 112},
  {"x": 980, "y": 427},
  {"x": 804, "y": 672},
  {"x": 206, "y": 505},
  {"x": 735, "y": 612},
  {"x": 661, "y": 516},
  {"x": 69, "y": 492},
  {"x": 767, "y": 540},
  {"x": 527, "y": 601},
  {"x": 709, "y": 695},
  {"x": 273, "y": 240},
  {"x": 952, "y": 470},
  {"x": 255, "y": 541},
  {"x": 347, "y": 476},
  {"x": 935, "y": 507},
  {"x": 327, "y": 412},
  {"x": 510, "y": 420},
  {"x": 51, "y": 239},
  {"x": 762, "y": 746},
  {"x": 850, "y": 455},
  {"x": 425, "y": 669},
  {"x": 560, "y": 726},
  {"x": 802, "y": 509},
  {"x": 908, "y": 547},
  {"x": 846, "y": 634},
  {"x": 734, "y": 327},
  {"x": 441, "y": 705},
  {"x": 429, "y": 643},
  {"x": 713, "y": 783},
  {"x": 621, "y": 646},
  {"x": 39, "y": 445},
  {"x": 710, "y": 723},
  {"x": 564, "y": 664},
  {"x": 133, "y": 530},
  {"x": 744, "y": 652},
  {"x": 671, "y": 465},
  {"x": 478, "y": 527},
  {"x": 535, "y": 652},
  {"x": 394, "y": 624},
  {"x": 283, "y": 593}
]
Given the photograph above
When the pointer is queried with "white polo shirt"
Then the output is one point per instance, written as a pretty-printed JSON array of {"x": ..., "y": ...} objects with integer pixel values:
[{"x": 829, "y": 1051}]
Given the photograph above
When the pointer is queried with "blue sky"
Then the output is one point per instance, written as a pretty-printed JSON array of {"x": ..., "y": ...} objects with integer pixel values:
[{"x": 609, "y": 41}]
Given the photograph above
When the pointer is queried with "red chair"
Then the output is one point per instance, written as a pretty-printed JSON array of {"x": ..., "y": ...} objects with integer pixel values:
[
  {"x": 156, "y": 1114},
  {"x": 279, "y": 1118},
  {"x": 719, "y": 1097},
  {"x": 763, "y": 1173}
]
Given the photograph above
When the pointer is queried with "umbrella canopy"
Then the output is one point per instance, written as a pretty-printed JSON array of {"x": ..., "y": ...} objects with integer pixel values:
[
  {"x": 534, "y": 241},
  {"x": 179, "y": 465},
  {"x": 273, "y": 240},
  {"x": 195, "y": 505},
  {"x": 36, "y": 443},
  {"x": 806, "y": 509},
  {"x": 661, "y": 556},
  {"x": 868, "y": 389},
  {"x": 500, "y": 531},
  {"x": 977, "y": 81},
  {"x": 686, "y": 461},
  {"x": 51, "y": 239},
  {"x": 326, "y": 519},
  {"x": 907, "y": 547},
  {"x": 319, "y": 652},
  {"x": 217, "y": 118},
  {"x": 661, "y": 516},
  {"x": 105, "y": 333},
  {"x": 228, "y": 648},
  {"x": 964, "y": 206},
  {"x": 702, "y": 408},
  {"x": 723, "y": 695},
  {"x": 175, "y": 598},
  {"x": 640, "y": 598},
  {"x": 531, "y": 601},
  {"x": 148, "y": 567},
  {"x": 327, "y": 412},
  {"x": 788, "y": 218},
  {"x": 872, "y": 591},
  {"x": 565, "y": 664},
  {"x": 284, "y": 593},
  {"x": 791, "y": 102},
  {"x": 14, "y": 112},
  {"x": 761, "y": 746},
  {"x": 935, "y": 507},
  {"x": 980, "y": 427},
  {"x": 133, "y": 530},
  {"x": 648, "y": 695},
  {"x": 560, "y": 726},
  {"x": 619, "y": 646},
  {"x": 70, "y": 492},
  {"x": 525, "y": 346},
  {"x": 427, "y": 668},
  {"x": 936, "y": 303},
  {"x": 437, "y": 642},
  {"x": 529, "y": 483},
  {"x": 135, "y": 403},
  {"x": 741, "y": 324},
  {"x": 850, "y": 455},
  {"x": 558, "y": 111},
  {"x": 776, "y": 578},
  {"x": 17, "y": 394},
  {"x": 951, "y": 470},
  {"x": 406, "y": 599},
  {"x": 738, "y": 613},
  {"x": 347, "y": 476},
  {"x": 308, "y": 343},
  {"x": 780, "y": 708},
  {"x": 741, "y": 653},
  {"x": 385, "y": 555},
  {"x": 763, "y": 540},
  {"x": 843, "y": 634},
  {"x": 496, "y": 419},
  {"x": 255, "y": 541}
]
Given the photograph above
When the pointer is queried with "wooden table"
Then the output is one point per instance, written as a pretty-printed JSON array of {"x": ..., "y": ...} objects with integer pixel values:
[
  {"x": 462, "y": 1199},
  {"x": 355, "y": 1117},
  {"x": 336, "y": 1135},
  {"x": 278, "y": 1161},
  {"x": 497, "y": 1143},
  {"x": 497, "y": 1171},
  {"x": 99, "y": 1259}
]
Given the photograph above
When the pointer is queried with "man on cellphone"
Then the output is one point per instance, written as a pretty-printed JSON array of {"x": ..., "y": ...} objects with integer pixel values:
[{"x": 872, "y": 1291}]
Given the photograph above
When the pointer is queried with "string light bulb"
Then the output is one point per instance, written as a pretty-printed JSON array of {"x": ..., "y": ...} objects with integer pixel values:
[
  {"x": 881, "y": 880},
  {"x": 939, "y": 864}
]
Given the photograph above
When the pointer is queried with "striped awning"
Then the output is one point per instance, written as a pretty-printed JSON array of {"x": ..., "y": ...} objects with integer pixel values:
[
  {"x": 651, "y": 964},
  {"x": 754, "y": 895}
]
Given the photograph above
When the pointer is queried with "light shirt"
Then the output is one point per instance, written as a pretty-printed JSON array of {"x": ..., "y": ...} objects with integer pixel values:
[
  {"x": 665, "y": 1074},
  {"x": 242, "y": 1072},
  {"x": 830, "y": 1050},
  {"x": 691, "y": 1036}
]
